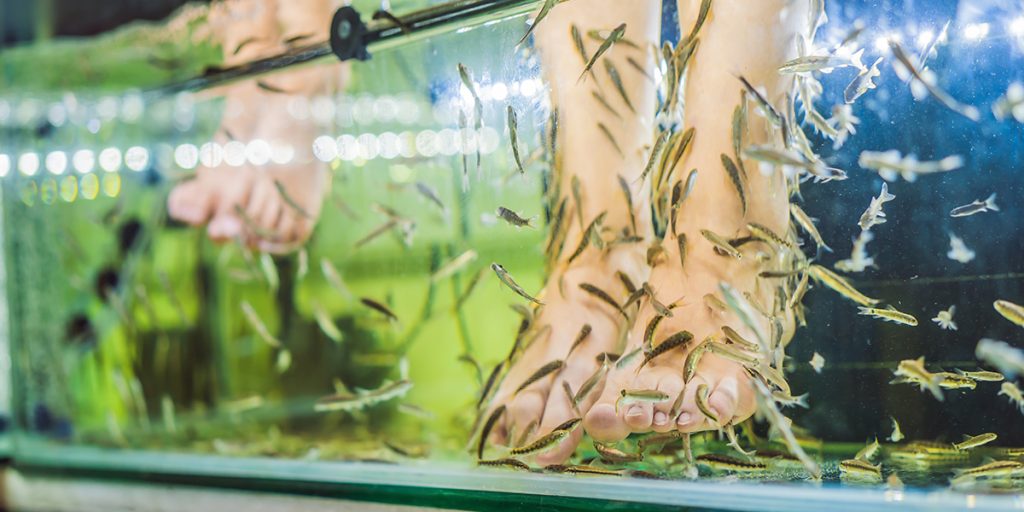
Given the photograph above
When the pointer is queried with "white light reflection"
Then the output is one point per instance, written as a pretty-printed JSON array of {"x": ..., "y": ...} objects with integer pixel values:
[
  {"x": 1016, "y": 27},
  {"x": 924, "y": 37},
  {"x": 83, "y": 161},
  {"x": 5, "y": 165},
  {"x": 56, "y": 162},
  {"x": 28, "y": 164},
  {"x": 211, "y": 154},
  {"x": 110, "y": 159},
  {"x": 136, "y": 158},
  {"x": 325, "y": 149},
  {"x": 186, "y": 156},
  {"x": 976, "y": 31},
  {"x": 257, "y": 152}
]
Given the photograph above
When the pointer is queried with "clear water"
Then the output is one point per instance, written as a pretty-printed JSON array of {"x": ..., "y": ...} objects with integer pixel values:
[{"x": 171, "y": 364}]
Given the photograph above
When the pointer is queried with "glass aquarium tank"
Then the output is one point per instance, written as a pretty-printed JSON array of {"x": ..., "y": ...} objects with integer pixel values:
[{"x": 232, "y": 260}]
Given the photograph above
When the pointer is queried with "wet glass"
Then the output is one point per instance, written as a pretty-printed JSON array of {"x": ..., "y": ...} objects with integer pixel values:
[{"x": 137, "y": 344}]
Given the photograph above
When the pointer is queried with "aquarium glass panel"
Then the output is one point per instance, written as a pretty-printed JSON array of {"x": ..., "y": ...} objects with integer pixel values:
[{"x": 775, "y": 268}]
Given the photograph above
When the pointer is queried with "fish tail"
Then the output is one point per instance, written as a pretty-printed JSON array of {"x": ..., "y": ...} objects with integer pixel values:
[
  {"x": 990, "y": 203},
  {"x": 802, "y": 401},
  {"x": 933, "y": 386}
]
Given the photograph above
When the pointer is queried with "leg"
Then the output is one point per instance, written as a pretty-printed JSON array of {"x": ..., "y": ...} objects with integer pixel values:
[
  {"x": 740, "y": 38},
  {"x": 258, "y": 110},
  {"x": 586, "y": 153}
]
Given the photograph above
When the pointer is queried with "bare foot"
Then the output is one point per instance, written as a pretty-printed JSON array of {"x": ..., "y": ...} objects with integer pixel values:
[
  {"x": 272, "y": 207},
  {"x": 729, "y": 47},
  {"x": 535, "y": 410},
  {"x": 730, "y": 397},
  {"x": 266, "y": 204}
]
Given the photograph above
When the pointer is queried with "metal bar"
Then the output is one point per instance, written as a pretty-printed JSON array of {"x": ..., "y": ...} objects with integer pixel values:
[{"x": 380, "y": 34}]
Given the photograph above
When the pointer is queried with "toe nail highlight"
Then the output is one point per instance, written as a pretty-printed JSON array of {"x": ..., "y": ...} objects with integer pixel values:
[{"x": 660, "y": 418}]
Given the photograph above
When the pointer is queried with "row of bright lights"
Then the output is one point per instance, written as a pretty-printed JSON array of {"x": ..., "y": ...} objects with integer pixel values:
[
  {"x": 84, "y": 161},
  {"x": 388, "y": 145},
  {"x": 323, "y": 109},
  {"x": 973, "y": 32},
  {"x": 258, "y": 152},
  {"x": 368, "y": 146}
]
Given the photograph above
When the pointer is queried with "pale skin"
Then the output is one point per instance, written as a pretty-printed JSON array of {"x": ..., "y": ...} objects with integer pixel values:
[
  {"x": 748, "y": 38},
  {"x": 741, "y": 38},
  {"x": 257, "y": 28}
]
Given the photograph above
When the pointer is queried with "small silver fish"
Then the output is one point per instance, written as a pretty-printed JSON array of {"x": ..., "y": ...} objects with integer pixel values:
[
  {"x": 544, "y": 10},
  {"x": 862, "y": 83},
  {"x": 513, "y": 218},
  {"x": 611, "y": 138},
  {"x": 616, "y": 78},
  {"x": 631, "y": 396},
  {"x": 736, "y": 178},
  {"x": 890, "y": 314},
  {"x": 513, "y": 134},
  {"x": 507, "y": 280},
  {"x": 258, "y": 325},
  {"x": 615, "y": 36},
  {"x": 978, "y": 206}
]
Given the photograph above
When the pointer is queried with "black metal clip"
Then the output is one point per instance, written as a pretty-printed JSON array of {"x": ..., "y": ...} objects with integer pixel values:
[{"x": 347, "y": 35}]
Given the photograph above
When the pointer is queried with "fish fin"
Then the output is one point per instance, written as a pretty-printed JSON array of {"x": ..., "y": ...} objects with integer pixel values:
[
  {"x": 802, "y": 401},
  {"x": 990, "y": 203},
  {"x": 856, "y": 58},
  {"x": 933, "y": 386}
]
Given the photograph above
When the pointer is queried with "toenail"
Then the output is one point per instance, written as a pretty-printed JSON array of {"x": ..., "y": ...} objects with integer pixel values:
[
  {"x": 684, "y": 418},
  {"x": 226, "y": 227},
  {"x": 660, "y": 418},
  {"x": 190, "y": 214},
  {"x": 634, "y": 412}
]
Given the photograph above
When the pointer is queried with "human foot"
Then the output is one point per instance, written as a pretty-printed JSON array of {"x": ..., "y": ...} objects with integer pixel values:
[
  {"x": 725, "y": 205},
  {"x": 726, "y": 381},
  {"x": 272, "y": 206},
  {"x": 273, "y": 199},
  {"x": 533, "y": 411}
]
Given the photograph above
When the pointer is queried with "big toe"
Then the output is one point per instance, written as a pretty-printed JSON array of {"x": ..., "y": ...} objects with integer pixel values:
[
  {"x": 224, "y": 227},
  {"x": 190, "y": 202},
  {"x": 732, "y": 399},
  {"x": 604, "y": 424}
]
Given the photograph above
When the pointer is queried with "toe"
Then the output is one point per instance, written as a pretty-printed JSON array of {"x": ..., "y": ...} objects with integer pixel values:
[
  {"x": 558, "y": 410},
  {"x": 499, "y": 436},
  {"x": 226, "y": 224},
  {"x": 639, "y": 416},
  {"x": 189, "y": 202},
  {"x": 672, "y": 385},
  {"x": 268, "y": 211},
  {"x": 734, "y": 391},
  {"x": 690, "y": 418},
  {"x": 292, "y": 229},
  {"x": 224, "y": 227},
  {"x": 524, "y": 409},
  {"x": 563, "y": 451},
  {"x": 724, "y": 398},
  {"x": 603, "y": 423}
]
